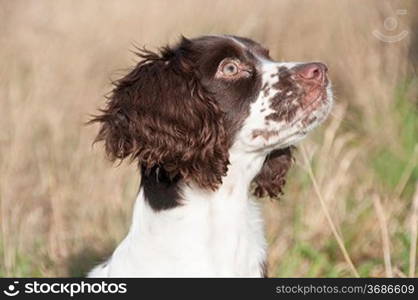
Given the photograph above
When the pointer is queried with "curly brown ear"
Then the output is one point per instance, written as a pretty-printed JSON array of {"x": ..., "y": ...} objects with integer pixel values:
[
  {"x": 271, "y": 179},
  {"x": 161, "y": 116}
]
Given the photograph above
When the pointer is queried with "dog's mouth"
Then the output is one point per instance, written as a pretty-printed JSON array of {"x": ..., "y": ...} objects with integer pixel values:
[
  {"x": 312, "y": 99},
  {"x": 314, "y": 106}
]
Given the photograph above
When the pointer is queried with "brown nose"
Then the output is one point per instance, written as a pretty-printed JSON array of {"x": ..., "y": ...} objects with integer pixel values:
[{"x": 312, "y": 72}]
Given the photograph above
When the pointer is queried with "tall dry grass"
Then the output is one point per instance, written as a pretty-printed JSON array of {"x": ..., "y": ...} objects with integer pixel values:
[{"x": 63, "y": 206}]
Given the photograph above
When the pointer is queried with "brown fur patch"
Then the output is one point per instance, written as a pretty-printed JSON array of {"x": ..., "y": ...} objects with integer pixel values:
[{"x": 271, "y": 179}]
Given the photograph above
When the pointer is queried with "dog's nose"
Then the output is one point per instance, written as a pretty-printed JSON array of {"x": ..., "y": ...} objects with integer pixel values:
[{"x": 312, "y": 72}]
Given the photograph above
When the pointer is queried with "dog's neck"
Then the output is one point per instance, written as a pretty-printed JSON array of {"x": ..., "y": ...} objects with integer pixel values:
[
  {"x": 221, "y": 229},
  {"x": 164, "y": 193}
]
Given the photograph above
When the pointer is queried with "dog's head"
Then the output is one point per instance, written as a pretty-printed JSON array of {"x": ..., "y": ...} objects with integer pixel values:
[{"x": 184, "y": 108}]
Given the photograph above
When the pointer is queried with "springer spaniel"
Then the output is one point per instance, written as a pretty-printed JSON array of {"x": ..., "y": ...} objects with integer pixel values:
[{"x": 204, "y": 120}]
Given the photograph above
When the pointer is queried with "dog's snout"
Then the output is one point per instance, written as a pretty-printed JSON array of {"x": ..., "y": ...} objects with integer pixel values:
[{"x": 312, "y": 72}]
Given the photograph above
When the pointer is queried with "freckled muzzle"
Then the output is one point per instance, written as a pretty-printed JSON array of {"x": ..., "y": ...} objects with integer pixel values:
[{"x": 300, "y": 90}]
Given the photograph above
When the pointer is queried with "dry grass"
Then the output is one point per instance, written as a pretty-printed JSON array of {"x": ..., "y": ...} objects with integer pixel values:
[{"x": 63, "y": 206}]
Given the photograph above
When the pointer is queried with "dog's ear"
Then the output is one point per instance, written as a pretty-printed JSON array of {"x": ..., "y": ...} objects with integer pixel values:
[
  {"x": 271, "y": 178},
  {"x": 161, "y": 116}
]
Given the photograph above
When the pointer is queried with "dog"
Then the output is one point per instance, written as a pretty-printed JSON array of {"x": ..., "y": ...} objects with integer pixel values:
[{"x": 212, "y": 123}]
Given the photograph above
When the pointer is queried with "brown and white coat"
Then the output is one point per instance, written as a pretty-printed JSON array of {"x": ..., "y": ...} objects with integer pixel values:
[{"x": 205, "y": 120}]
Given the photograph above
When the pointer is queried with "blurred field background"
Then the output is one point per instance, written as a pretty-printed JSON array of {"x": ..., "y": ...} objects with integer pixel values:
[{"x": 63, "y": 207}]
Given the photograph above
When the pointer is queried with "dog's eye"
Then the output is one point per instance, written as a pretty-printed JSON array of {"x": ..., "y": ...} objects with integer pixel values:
[{"x": 230, "y": 69}]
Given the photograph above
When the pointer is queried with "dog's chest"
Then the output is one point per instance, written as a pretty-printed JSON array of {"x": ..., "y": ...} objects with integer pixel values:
[
  {"x": 217, "y": 236},
  {"x": 234, "y": 234}
]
